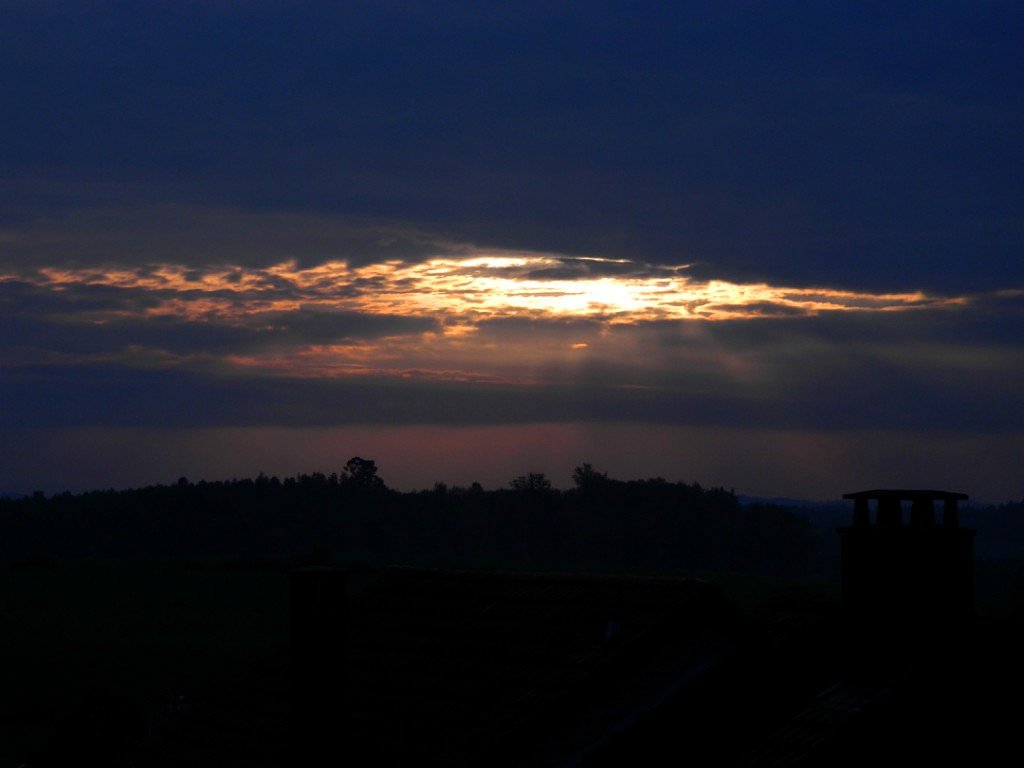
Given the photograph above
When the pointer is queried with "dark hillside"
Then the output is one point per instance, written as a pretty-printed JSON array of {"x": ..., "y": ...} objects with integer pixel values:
[{"x": 601, "y": 524}]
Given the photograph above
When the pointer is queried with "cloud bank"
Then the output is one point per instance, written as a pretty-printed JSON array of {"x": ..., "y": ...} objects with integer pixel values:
[{"x": 731, "y": 221}]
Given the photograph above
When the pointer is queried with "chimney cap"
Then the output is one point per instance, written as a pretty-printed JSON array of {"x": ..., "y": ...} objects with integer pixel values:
[{"x": 908, "y": 495}]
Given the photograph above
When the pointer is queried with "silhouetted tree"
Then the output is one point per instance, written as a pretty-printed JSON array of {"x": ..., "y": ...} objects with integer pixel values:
[
  {"x": 601, "y": 523},
  {"x": 585, "y": 477},
  {"x": 361, "y": 474},
  {"x": 534, "y": 482}
]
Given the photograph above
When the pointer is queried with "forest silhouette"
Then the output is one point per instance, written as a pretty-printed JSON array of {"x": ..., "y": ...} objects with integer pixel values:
[
  {"x": 349, "y": 516},
  {"x": 123, "y": 604}
]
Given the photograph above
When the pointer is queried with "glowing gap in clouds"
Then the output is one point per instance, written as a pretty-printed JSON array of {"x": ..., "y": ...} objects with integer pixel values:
[{"x": 464, "y": 290}]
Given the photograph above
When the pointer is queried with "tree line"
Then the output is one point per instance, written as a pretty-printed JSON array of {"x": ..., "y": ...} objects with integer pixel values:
[{"x": 352, "y": 517}]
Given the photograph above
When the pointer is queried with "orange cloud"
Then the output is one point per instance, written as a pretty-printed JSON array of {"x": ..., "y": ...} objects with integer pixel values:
[
  {"x": 462, "y": 290},
  {"x": 471, "y": 297}
]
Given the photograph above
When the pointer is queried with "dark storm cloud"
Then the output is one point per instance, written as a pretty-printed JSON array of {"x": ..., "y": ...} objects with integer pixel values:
[
  {"x": 135, "y": 234},
  {"x": 87, "y": 320},
  {"x": 310, "y": 326},
  {"x": 857, "y": 145},
  {"x": 990, "y": 320},
  {"x": 802, "y": 380},
  {"x": 762, "y": 309},
  {"x": 201, "y": 158},
  {"x": 568, "y": 268},
  {"x": 163, "y": 334},
  {"x": 128, "y": 397},
  {"x": 23, "y": 298},
  {"x": 517, "y": 328},
  {"x": 27, "y": 338}
]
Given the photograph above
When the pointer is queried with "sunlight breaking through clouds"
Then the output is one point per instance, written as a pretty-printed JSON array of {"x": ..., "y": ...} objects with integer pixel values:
[
  {"x": 462, "y": 291},
  {"x": 476, "y": 316}
]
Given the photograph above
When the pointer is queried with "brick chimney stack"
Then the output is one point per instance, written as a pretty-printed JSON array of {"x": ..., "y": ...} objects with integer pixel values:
[{"x": 917, "y": 572}]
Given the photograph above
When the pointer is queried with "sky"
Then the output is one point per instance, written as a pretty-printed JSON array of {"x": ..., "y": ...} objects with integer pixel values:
[{"x": 775, "y": 247}]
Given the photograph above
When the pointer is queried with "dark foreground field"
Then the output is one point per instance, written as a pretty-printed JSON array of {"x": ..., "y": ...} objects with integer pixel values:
[
  {"x": 93, "y": 642},
  {"x": 116, "y": 607},
  {"x": 82, "y": 643}
]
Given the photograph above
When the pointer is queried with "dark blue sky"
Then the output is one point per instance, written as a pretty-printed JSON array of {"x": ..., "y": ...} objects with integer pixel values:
[{"x": 869, "y": 148}]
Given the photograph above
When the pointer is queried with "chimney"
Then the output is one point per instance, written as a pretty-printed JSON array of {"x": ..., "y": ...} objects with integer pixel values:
[
  {"x": 907, "y": 574},
  {"x": 319, "y": 633}
]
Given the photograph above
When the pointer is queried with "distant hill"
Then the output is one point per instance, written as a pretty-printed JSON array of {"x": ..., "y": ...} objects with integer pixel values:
[
  {"x": 782, "y": 501},
  {"x": 1000, "y": 527},
  {"x": 602, "y": 524}
]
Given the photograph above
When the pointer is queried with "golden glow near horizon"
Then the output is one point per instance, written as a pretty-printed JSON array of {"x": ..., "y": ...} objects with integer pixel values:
[
  {"x": 461, "y": 291},
  {"x": 457, "y": 296}
]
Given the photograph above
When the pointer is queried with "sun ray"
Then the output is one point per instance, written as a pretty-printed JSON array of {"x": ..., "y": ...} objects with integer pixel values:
[{"x": 463, "y": 290}]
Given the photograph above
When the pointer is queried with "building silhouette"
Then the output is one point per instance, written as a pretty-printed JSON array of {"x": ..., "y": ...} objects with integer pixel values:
[
  {"x": 440, "y": 667},
  {"x": 914, "y": 571}
]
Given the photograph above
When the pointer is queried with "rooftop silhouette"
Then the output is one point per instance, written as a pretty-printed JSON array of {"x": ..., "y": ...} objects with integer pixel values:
[
  {"x": 905, "y": 573},
  {"x": 450, "y": 666}
]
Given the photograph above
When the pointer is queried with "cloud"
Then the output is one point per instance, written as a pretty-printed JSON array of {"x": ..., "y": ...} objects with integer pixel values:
[
  {"x": 201, "y": 237},
  {"x": 95, "y": 322},
  {"x": 496, "y": 318},
  {"x": 469, "y": 282},
  {"x": 878, "y": 153},
  {"x": 670, "y": 214},
  {"x": 624, "y": 378}
]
